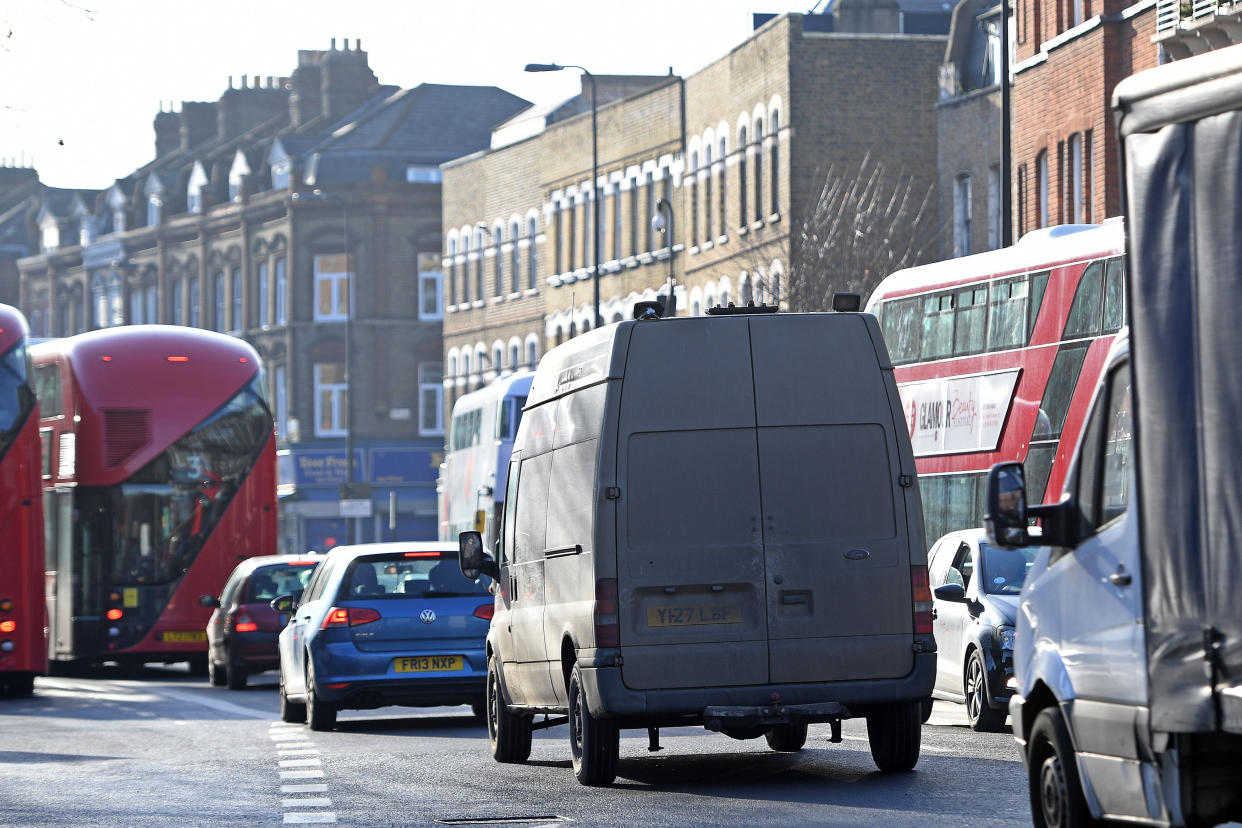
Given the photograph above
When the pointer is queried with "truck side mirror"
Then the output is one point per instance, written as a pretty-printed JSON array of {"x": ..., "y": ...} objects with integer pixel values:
[
  {"x": 1006, "y": 518},
  {"x": 472, "y": 559}
]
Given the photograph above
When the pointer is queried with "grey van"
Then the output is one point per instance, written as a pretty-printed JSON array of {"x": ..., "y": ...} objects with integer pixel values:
[{"x": 710, "y": 521}]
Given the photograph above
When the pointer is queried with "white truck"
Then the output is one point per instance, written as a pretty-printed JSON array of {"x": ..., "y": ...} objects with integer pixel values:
[{"x": 1128, "y": 654}]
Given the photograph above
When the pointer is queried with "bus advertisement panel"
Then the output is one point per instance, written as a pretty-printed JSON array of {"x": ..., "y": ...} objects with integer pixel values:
[
  {"x": 996, "y": 356},
  {"x": 160, "y": 477},
  {"x": 23, "y": 624}
]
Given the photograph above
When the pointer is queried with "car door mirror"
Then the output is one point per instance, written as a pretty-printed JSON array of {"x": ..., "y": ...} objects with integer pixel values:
[
  {"x": 472, "y": 559},
  {"x": 209, "y": 601},
  {"x": 1006, "y": 518},
  {"x": 951, "y": 592},
  {"x": 283, "y": 603}
]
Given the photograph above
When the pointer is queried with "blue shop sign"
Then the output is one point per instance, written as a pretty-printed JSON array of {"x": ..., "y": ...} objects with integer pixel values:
[
  {"x": 323, "y": 467},
  {"x": 404, "y": 465}
]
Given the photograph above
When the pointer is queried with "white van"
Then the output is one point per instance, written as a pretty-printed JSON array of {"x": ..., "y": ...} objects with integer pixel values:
[{"x": 711, "y": 521}]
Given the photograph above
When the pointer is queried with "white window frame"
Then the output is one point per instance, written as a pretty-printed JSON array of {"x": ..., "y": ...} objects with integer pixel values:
[
  {"x": 430, "y": 399},
  {"x": 338, "y": 288},
  {"x": 337, "y": 397},
  {"x": 430, "y": 288}
]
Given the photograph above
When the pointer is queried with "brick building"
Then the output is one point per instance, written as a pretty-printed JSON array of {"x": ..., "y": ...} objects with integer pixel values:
[
  {"x": 290, "y": 213},
  {"x": 739, "y": 150}
]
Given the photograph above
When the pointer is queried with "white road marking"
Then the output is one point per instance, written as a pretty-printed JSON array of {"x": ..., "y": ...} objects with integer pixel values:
[
  {"x": 214, "y": 704},
  {"x": 288, "y": 736},
  {"x": 303, "y": 788},
  {"x": 300, "y": 763},
  {"x": 307, "y": 802},
  {"x": 284, "y": 754},
  {"x": 301, "y": 774},
  {"x": 311, "y": 817}
]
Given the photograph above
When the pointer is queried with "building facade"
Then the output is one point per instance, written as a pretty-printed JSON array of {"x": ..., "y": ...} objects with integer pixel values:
[
  {"x": 734, "y": 157},
  {"x": 303, "y": 215}
]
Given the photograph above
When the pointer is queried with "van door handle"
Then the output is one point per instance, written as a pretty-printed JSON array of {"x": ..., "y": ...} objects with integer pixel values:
[{"x": 1120, "y": 577}]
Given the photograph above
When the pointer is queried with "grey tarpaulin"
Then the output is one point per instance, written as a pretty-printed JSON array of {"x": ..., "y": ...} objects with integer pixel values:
[{"x": 1181, "y": 132}]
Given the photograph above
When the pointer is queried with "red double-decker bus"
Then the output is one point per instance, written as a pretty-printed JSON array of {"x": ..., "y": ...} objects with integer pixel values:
[
  {"x": 996, "y": 357},
  {"x": 23, "y": 623},
  {"x": 159, "y": 476}
]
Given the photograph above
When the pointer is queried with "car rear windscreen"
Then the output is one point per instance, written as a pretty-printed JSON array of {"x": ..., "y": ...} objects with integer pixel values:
[
  {"x": 267, "y": 582},
  {"x": 399, "y": 576}
]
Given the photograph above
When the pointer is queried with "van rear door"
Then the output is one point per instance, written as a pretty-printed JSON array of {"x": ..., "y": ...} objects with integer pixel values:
[
  {"x": 834, "y": 519},
  {"x": 691, "y": 588}
]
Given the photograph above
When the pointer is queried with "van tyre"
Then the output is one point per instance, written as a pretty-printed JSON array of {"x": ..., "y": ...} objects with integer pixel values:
[
  {"x": 787, "y": 738},
  {"x": 895, "y": 732},
  {"x": 926, "y": 706},
  {"x": 595, "y": 743},
  {"x": 508, "y": 733},
  {"x": 320, "y": 714},
  {"x": 290, "y": 711},
  {"x": 981, "y": 715},
  {"x": 1057, "y": 799}
]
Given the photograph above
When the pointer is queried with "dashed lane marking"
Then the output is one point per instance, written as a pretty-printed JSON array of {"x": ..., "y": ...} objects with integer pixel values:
[
  {"x": 303, "y": 789},
  {"x": 291, "y": 817},
  {"x": 291, "y": 741},
  {"x": 307, "y": 802},
  {"x": 300, "y": 763},
  {"x": 301, "y": 774}
]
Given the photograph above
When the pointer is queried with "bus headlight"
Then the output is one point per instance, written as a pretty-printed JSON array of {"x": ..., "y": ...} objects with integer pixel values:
[
  {"x": 6, "y": 646},
  {"x": 1004, "y": 634},
  {"x": 114, "y": 631}
]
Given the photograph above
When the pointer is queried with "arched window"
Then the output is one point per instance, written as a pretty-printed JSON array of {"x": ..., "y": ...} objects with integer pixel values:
[
  {"x": 723, "y": 210},
  {"x": 707, "y": 193},
  {"x": 99, "y": 302},
  {"x": 532, "y": 263},
  {"x": 497, "y": 238},
  {"x": 774, "y": 166},
  {"x": 515, "y": 355},
  {"x": 498, "y": 357},
  {"x": 478, "y": 265},
  {"x": 742, "y": 181},
  {"x": 217, "y": 286},
  {"x": 758, "y": 136},
  {"x": 532, "y": 353},
  {"x": 196, "y": 317},
  {"x": 744, "y": 290},
  {"x": 452, "y": 270},
  {"x": 1041, "y": 183},
  {"x": 465, "y": 269},
  {"x": 515, "y": 230},
  {"x": 694, "y": 201}
]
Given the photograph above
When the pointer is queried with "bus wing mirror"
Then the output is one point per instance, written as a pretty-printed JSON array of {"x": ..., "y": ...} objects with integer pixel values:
[
  {"x": 1006, "y": 518},
  {"x": 472, "y": 559}
]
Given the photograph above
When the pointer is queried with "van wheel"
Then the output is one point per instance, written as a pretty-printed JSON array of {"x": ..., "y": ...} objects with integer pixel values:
[
  {"x": 980, "y": 714},
  {"x": 320, "y": 715},
  {"x": 291, "y": 712},
  {"x": 787, "y": 738},
  {"x": 925, "y": 709},
  {"x": 1057, "y": 800},
  {"x": 508, "y": 733},
  {"x": 895, "y": 732},
  {"x": 595, "y": 743}
]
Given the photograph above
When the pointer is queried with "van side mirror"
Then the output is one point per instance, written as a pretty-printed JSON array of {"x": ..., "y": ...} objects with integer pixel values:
[
  {"x": 283, "y": 603},
  {"x": 1006, "y": 518},
  {"x": 472, "y": 559},
  {"x": 209, "y": 601}
]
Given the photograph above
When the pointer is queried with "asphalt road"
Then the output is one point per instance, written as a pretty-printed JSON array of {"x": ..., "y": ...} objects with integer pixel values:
[{"x": 156, "y": 747}]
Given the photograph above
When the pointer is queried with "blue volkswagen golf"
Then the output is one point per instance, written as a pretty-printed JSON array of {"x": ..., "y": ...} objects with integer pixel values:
[{"x": 384, "y": 624}]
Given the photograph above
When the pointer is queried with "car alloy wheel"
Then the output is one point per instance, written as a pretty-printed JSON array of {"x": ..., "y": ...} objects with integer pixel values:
[{"x": 981, "y": 715}]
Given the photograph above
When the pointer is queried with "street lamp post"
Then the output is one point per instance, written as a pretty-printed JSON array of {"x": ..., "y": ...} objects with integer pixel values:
[
  {"x": 556, "y": 67},
  {"x": 665, "y": 226}
]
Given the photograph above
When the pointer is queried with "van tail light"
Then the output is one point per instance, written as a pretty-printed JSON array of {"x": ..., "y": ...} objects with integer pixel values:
[
  {"x": 243, "y": 623},
  {"x": 348, "y": 617},
  {"x": 485, "y": 611},
  {"x": 607, "y": 631},
  {"x": 921, "y": 588}
]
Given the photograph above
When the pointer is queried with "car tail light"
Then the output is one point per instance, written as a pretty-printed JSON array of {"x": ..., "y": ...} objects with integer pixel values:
[
  {"x": 485, "y": 611},
  {"x": 421, "y": 554},
  {"x": 348, "y": 617},
  {"x": 606, "y": 629},
  {"x": 921, "y": 589},
  {"x": 243, "y": 623}
]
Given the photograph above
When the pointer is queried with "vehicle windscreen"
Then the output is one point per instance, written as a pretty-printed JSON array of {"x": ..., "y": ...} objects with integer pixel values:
[
  {"x": 398, "y": 576},
  {"x": 16, "y": 396},
  {"x": 1004, "y": 570},
  {"x": 267, "y": 582}
]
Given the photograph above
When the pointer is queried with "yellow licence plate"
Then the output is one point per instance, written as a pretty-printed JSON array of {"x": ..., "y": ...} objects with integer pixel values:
[
  {"x": 183, "y": 635},
  {"x": 427, "y": 664},
  {"x": 692, "y": 614}
]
